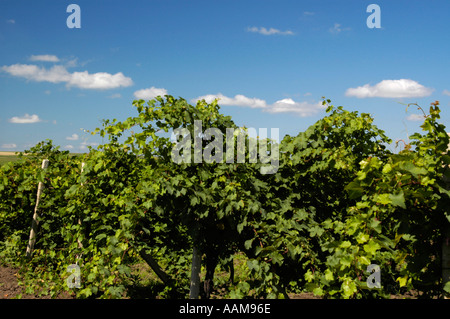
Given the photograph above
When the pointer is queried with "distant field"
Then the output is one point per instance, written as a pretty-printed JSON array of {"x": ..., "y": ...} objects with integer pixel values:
[{"x": 6, "y": 157}]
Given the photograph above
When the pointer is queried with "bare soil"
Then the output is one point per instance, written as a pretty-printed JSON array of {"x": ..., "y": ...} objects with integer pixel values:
[{"x": 10, "y": 289}]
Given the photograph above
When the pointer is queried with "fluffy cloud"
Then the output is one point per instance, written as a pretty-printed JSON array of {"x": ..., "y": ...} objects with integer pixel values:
[
  {"x": 150, "y": 93},
  {"x": 446, "y": 92},
  {"x": 26, "y": 119},
  {"x": 238, "y": 99},
  {"x": 303, "y": 109},
  {"x": 270, "y": 31},
  {"x": 402, "y": 88},
  {"x": 10, "y": 145},
  {"x": 74, "y": 137},
  {"x": 44, "y": 58},
  {"x": 58, "y": 74},
  {"x": 99, "y": 81}
]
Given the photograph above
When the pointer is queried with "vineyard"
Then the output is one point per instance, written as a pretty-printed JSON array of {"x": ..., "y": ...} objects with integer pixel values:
[{"x": 339, "y": 202}]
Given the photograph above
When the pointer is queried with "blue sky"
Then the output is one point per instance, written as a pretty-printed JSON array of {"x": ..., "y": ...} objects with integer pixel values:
[{"x": 270, "y": 62}]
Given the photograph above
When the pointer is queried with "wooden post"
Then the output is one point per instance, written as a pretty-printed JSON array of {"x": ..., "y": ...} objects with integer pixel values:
[
  {"x": 35, "y": 221},
  {"x": 195, "y": 274}
]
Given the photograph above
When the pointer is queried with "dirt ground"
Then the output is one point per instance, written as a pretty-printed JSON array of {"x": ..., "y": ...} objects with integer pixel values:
[
  {"x": 8, "y": 284},
  {"x": 9, "y": 288}
]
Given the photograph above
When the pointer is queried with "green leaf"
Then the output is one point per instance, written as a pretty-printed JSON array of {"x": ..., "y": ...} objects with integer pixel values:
[
  {"x": 383, "y": 199},
  {"x": 248, "y": 243},
  {"x": 398, "y": 199},
  {"x": 402, "y": 281},
  {"x": 411, "y": 168},
  {"x": 241, "y": 226},
  {"x": 329, "y": 275},
  {"x": 371, "y": 247},
  {"x": 345, "y": 244},
  {"x": 318, "y": 291},
  {"x": 194, "y": 200},
  {"x": 364, "y": 260},
  {"x": 349, "y": 288},
  {"x": 375, "y": 225},
  {"x": 387, "y": 169},
  {"x": 253, "y": 264},
  {"x": 362, "y": 238},
  {"x": 309, "y": 276},
  {"x": 447, "y": 287},
  {"x": 354, "y": 190},
  {"x": 98, "y": 166},
  {"x": 346, "y": 261},
  {"x": 316, "y": 231}
]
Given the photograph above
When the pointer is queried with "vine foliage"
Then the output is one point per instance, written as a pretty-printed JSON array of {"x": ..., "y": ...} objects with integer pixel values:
[{"x": 339, "y": 202}]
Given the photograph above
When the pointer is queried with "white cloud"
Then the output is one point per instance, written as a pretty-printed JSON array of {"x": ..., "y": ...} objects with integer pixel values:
[
  {"x": 270, "y": 31},
  {"x": 74, "y": 137},
  {"x": 308, "y": 13},
  {"x": 446, "y": 92},
  {"x": 115, "y": 96},
  {"x": 99, "y": 81},
  {"x": 415, "y": 117},
  {"x": 150, "y": 93},
  {"x": 11, "y": 21},
  {"x": 238, "y": 99},
  {"x": 337, "y": 28},
  {"x": 10, "y": 145},
  {"x": 402, "y": 88},
  {"x": 58, "y": 73},
  {"x": 44, "y": 58},
  {"x": 69, "y": 146},
  {"x": 303, "y": 109},
  {"x": 26, "y": 119},
  {"x": 72, "y": 63}
]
